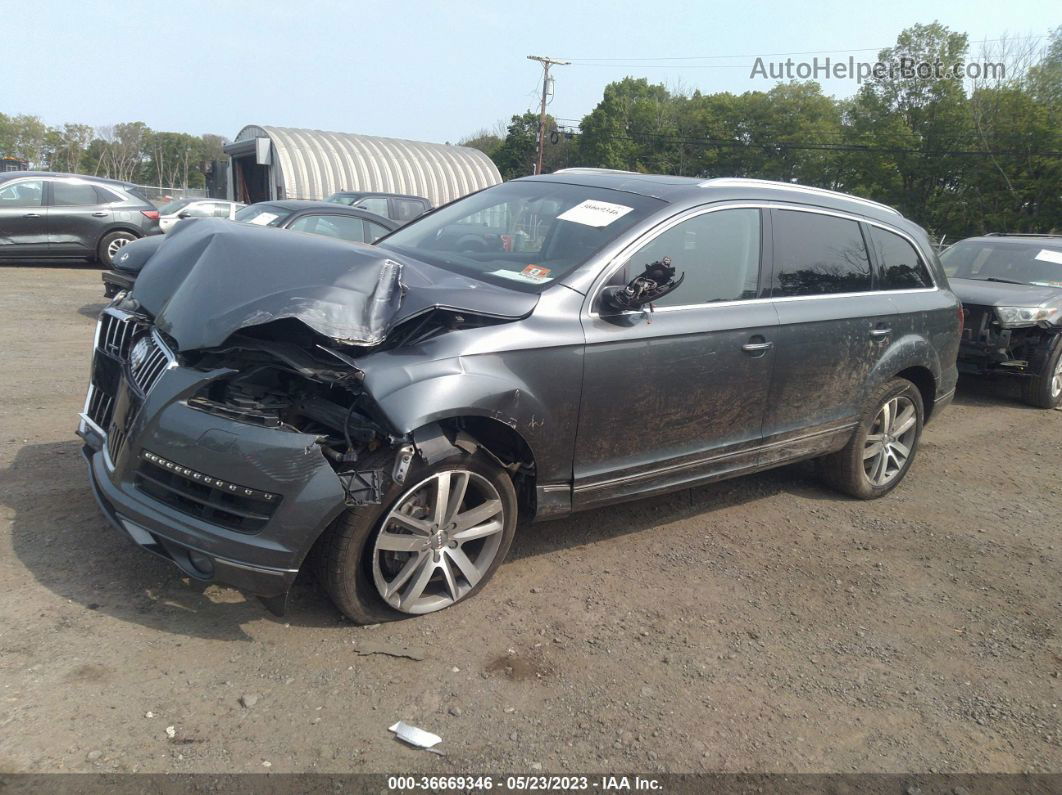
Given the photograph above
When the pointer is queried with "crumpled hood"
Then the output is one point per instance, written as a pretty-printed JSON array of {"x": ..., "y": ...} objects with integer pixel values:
[
  {"x": 209, "y": 279},
  {"x": 980, "y": 293}
]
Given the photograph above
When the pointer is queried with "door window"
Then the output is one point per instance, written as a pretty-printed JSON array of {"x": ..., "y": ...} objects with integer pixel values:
[
  {"x": 719, "y": 253},
  {"x": 900, "y": 267},
  {"x": 816, "y": 254},
  {"x": 408, "y": 209},
  {"x": 374, "y": 204},
  {"x": 22, "y": 194},
  {"x": 221, "y": 210},
  {"x": 375, "y": 231},
  {"x": 73, "y": 194},
  {"x": 340, "y": 226}
]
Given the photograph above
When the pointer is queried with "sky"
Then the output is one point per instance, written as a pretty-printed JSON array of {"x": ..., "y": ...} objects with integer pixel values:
[{"x": 433, "y": 71}]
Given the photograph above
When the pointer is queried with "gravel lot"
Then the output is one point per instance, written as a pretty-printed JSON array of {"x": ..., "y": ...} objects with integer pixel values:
[{"x": 763, "y": 624}]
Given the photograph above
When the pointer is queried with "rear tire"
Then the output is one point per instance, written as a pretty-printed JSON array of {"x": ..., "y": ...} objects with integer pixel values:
[
  {"x": 111, "y": 244},
  {"x": 883, "y": 447},
  {"x": 359, "y": 568},
  {"x": 1045, "y": 390}
]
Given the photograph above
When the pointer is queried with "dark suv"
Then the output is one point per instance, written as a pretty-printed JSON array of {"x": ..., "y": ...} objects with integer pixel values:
[
  {"x": 399, "y": 207},
  {"x": 1011, "y": 290},
  {"x": 547, "y": 345},
  {"x": 44, "y": 215}
]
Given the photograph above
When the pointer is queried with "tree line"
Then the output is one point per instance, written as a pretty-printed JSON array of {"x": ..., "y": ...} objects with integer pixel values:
[
  {"x": 958, "y": 157},
  {"x": 130, "y": 151}
]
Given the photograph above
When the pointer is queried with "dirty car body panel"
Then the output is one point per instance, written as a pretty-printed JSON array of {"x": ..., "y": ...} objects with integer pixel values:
[{"x": 255, "y": 385}]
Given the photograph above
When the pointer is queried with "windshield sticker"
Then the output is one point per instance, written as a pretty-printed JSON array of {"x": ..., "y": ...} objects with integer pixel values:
[
  {"x": 594, "y": 213},
  {"x": 532, "y": 274},
  {"x": 263, "y": 219},
  {"x": 1047, "y": 255}
]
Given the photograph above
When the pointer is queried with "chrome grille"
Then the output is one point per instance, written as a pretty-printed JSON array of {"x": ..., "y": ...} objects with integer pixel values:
[
  {"x": 115, "y": 334},
  {"x": 99, "y": 406},
  {"x": 115, "y": 442},
  {"x": 148, "y": 359}
]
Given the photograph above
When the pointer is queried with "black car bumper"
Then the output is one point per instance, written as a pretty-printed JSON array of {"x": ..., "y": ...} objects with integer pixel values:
[
  {"x": 116, "y": 281},
  {"x": 225, "y": 501}
]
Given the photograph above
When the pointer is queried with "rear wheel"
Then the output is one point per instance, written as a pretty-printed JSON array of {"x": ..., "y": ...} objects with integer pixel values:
[
  {"x": 883, "y": 446},
  {"x": 1045, "y": 390},
  {"x": 111, "y": 244},
  {"x": 433, "y": 542}
]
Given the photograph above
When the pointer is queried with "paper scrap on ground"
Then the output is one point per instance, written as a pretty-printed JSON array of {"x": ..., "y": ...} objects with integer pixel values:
[
  {"x": 1047, "y": 255},
  {"x": 594, "y": 213},
  {"x": 415, "y": 736},
  {"x": 366, "y": 647}
]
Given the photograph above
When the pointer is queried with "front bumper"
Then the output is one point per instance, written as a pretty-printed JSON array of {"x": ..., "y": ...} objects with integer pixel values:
[{"x": 210, "y": 534}]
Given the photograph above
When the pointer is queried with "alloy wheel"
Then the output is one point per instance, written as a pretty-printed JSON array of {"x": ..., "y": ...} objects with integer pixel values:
[
  {"x": 438, "y": 541},
  {"x": 1056, "y": 380},
  {"x": 115, "y": 246},
  {"x": 890, "y": 441}
]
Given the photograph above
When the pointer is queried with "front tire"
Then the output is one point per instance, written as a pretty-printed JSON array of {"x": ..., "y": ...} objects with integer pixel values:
[
  {"x": 1045, "y": 390},
  {"x": 111, "y": 244},
  {"x": 883, "y": 446},
  {"x": 434, "y": 541}
]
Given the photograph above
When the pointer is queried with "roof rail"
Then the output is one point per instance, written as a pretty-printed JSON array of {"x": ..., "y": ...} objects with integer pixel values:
[
  {"x": 737, "y": 182},
  {"x": 587, "y": 170},
  {"x": 1021, "y": 234}
]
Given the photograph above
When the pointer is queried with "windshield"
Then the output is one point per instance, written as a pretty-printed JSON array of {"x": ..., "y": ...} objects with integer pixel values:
[
  {"x": 263, "y": 214},
  {"x": 521, "y": 234},
  {"x": 175, "y": 206},
  {"x": 1025, "y": 262}
]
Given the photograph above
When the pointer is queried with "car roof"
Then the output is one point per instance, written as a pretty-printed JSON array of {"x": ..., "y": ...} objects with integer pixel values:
[
  {"x": 995, "y": 238},
  {"x": 304, "y": 205},
  {"x": 694, "y": 190},
  {"x": 6, "y": 175},
  {"x": 379, "y": 193}
]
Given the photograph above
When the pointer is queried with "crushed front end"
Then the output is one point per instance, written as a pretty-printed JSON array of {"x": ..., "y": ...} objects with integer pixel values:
[
  {"x": 230, "y": 473},
  {"x": 1002, "y": 340}
]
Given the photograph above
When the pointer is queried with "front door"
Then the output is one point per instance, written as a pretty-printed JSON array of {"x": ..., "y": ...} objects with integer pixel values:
[
  {"x": 23, "y": 219},
  {"x": 677, "y": 395}
]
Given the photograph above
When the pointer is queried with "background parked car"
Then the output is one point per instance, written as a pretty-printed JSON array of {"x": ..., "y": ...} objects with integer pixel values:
[
  {"x": 399, "y": 207},
  {"x": 316, "y": 218},
  {"x": 180, "y": 209},
  {"x": 49, "y": 215},
  {"x": 319, "y": 218},
  {"x": 1011, "y": 290}
]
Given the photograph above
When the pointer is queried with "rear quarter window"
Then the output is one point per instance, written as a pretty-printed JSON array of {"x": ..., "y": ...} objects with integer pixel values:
[{"x": 899, "y": 266}]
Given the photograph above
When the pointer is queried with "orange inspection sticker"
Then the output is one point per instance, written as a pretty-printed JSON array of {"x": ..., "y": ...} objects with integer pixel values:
[{"x": 536, "y": 272}]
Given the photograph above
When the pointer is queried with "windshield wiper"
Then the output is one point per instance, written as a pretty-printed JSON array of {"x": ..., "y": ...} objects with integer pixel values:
[{"x": 998, "y": 279}]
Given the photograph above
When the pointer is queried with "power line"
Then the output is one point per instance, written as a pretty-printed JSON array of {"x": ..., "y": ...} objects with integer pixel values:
[{"x": 576, "y": 61}]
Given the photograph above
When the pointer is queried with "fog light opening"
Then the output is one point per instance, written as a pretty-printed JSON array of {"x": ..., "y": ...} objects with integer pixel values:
[{"x": 201, "y": 563}]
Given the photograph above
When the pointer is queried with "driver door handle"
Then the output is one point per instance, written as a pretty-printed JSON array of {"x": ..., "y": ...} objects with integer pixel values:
[
  {"x": 880, "y": 332},
  {"x": 756, "y": 347},
  {"x": 32, "y": 215},
  {"x": 100, "y": 215}
]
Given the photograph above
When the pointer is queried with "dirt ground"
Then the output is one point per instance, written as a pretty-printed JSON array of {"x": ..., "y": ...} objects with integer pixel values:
[{"x": 763, "y": 624}]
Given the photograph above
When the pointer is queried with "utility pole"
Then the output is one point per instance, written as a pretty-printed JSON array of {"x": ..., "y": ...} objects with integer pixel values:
[{"x": 546, "y": 64}]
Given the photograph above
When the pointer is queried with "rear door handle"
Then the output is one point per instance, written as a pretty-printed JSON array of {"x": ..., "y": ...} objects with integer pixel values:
[
  {"x": 756, "y": 347},
  {"x": 32, "y": 215},
  {"x": 880, "y": 332},
  {"x": 100, "y": 215}
]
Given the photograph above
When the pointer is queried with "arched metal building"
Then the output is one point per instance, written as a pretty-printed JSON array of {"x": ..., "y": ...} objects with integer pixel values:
[{"x": 292, "y": 163}]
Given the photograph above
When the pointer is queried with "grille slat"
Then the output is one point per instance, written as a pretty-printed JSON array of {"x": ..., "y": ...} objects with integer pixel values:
[{"x": 148, "y": 361}]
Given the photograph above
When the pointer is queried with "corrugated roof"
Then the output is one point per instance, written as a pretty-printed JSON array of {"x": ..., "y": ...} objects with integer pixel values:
[{"x": 314, "y": 164}]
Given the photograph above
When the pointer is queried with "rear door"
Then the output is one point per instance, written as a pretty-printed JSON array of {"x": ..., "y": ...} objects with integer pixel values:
[
  {"x": 76, "y": 217},
  {"x": 23, "y": 219},
  {"x": 677, "y": 395},
  {"x": 833, "y": 328}
]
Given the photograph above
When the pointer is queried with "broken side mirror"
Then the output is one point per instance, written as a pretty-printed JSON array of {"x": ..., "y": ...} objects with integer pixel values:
[{"x": 656, "y": 281}]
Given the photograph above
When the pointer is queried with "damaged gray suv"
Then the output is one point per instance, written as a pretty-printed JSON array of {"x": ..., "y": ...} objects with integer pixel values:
[{"x": 552, "y": 344}]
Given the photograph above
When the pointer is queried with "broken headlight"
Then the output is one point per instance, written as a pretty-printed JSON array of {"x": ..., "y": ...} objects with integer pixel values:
[{"x": 1018, "y": 316}]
